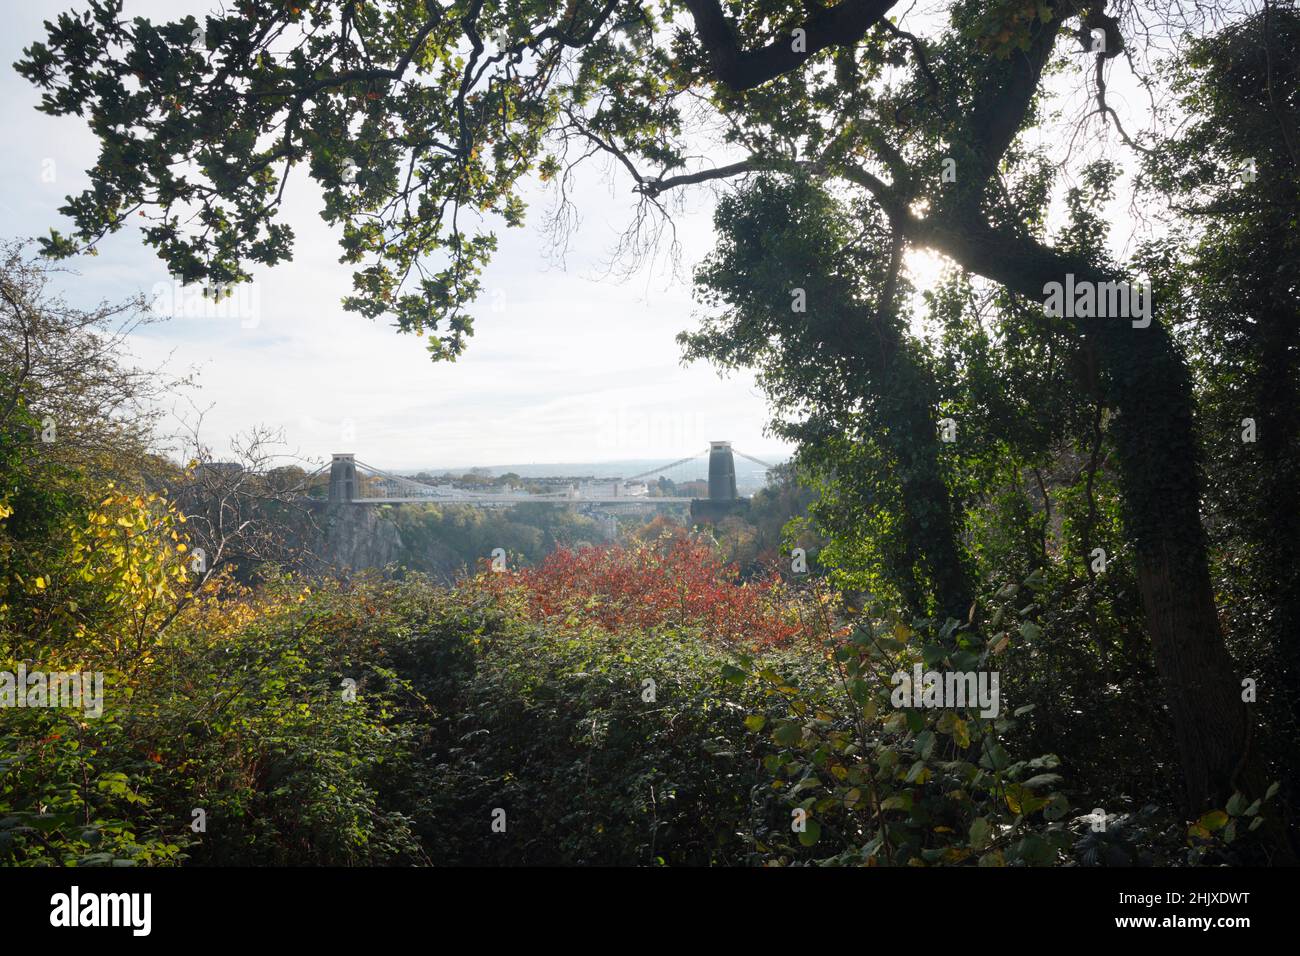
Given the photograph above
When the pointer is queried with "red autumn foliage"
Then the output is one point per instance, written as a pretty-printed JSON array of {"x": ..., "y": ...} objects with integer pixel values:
[{"x": 675, "y": 581}]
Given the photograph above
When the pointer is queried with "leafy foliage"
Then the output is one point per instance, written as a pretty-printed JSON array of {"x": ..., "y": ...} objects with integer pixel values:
[{"x": 672, "y": 581}]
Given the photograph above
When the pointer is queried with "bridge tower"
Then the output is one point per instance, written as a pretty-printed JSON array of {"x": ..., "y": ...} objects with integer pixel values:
[
  {"x": 344, "y": 483},
  {"x": 723, "y": 499},
  {"x": 722, "y": 472}
]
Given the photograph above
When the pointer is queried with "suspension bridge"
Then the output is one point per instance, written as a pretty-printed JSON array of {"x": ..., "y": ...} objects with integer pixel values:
[{"x": 354, "y": 482}]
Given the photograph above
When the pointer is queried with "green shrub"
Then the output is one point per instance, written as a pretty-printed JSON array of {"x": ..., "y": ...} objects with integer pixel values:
[
  {"x": 592, "y": 763},
  {"x": 871, "y": 783}
]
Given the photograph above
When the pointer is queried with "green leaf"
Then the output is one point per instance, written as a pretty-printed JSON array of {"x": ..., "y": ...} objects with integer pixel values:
[
  {"x": 1023, "y": 801},
  {"x": 859, "y": 691},
  {"x": 1057, "y": 807},
  {"x": 961, "y": 733},
  {"x": 1043, "y": 780},
  {"x": 995, "y": 756},
  {"x": 733, "y": 674},
  {"x": 811, "y": 834},
  {"x": 1034, "y": 850},
  {"x": 925, "y": 743},
  {"x": 1214, "y": 820},
  {"x": 899, "y": 801},
  {"x": 787, "y": 733}
]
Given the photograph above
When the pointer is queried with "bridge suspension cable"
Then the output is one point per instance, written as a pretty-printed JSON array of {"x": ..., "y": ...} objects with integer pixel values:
[
  {"x": 656, "y": 471},
  {"x": 756, "y": 461},
  {"x": 398, "y": 481},
  {"x": 385, "y": 475}
]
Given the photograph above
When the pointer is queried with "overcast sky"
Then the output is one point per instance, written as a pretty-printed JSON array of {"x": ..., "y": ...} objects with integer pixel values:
[{"x": 564, "y": 365}]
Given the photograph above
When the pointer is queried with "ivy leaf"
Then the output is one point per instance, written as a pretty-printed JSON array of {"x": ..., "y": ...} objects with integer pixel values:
[{"x": 811, "y": 834}]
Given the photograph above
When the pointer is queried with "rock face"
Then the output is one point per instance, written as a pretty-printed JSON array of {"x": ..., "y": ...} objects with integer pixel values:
[{"x": 358, "y": 536}]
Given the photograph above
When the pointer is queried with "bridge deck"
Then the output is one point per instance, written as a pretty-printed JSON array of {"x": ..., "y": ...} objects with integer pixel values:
[{"x": 348, "y": 475}]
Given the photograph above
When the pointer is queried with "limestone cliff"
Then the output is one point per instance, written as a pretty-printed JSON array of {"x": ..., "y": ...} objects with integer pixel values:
[{"x": 358, "y": 536}]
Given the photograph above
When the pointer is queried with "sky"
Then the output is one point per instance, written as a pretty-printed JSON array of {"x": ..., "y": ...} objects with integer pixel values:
[{"x": 567, "y": 364}]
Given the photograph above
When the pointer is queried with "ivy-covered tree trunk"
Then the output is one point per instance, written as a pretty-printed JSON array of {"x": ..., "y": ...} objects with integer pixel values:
[
  {"x": 930, "y": 513},
  {"x": 808, "y": 294},
  {"x": 903, "y": 394},
  {"x": 1154, "y": 437},
  {"x": 1277, "y": 408},
  {"x": 1148, "y": 385}
]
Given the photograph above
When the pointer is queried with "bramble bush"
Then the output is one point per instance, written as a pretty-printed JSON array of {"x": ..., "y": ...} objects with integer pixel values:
[{"x": 601, "y": 747}]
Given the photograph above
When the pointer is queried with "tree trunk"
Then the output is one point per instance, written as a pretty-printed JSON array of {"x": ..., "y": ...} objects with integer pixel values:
[
  {"x": 1148, "y": 385},
  {"x": 1276, "y": 520},
  {"x": 1155, "y": 442},
  {"x": 903, "y": 393},
  {"x": 930, "y": 511}
]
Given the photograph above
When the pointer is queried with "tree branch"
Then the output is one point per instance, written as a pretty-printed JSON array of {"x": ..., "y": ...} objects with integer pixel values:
[{"x": 841, "y": 25}]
